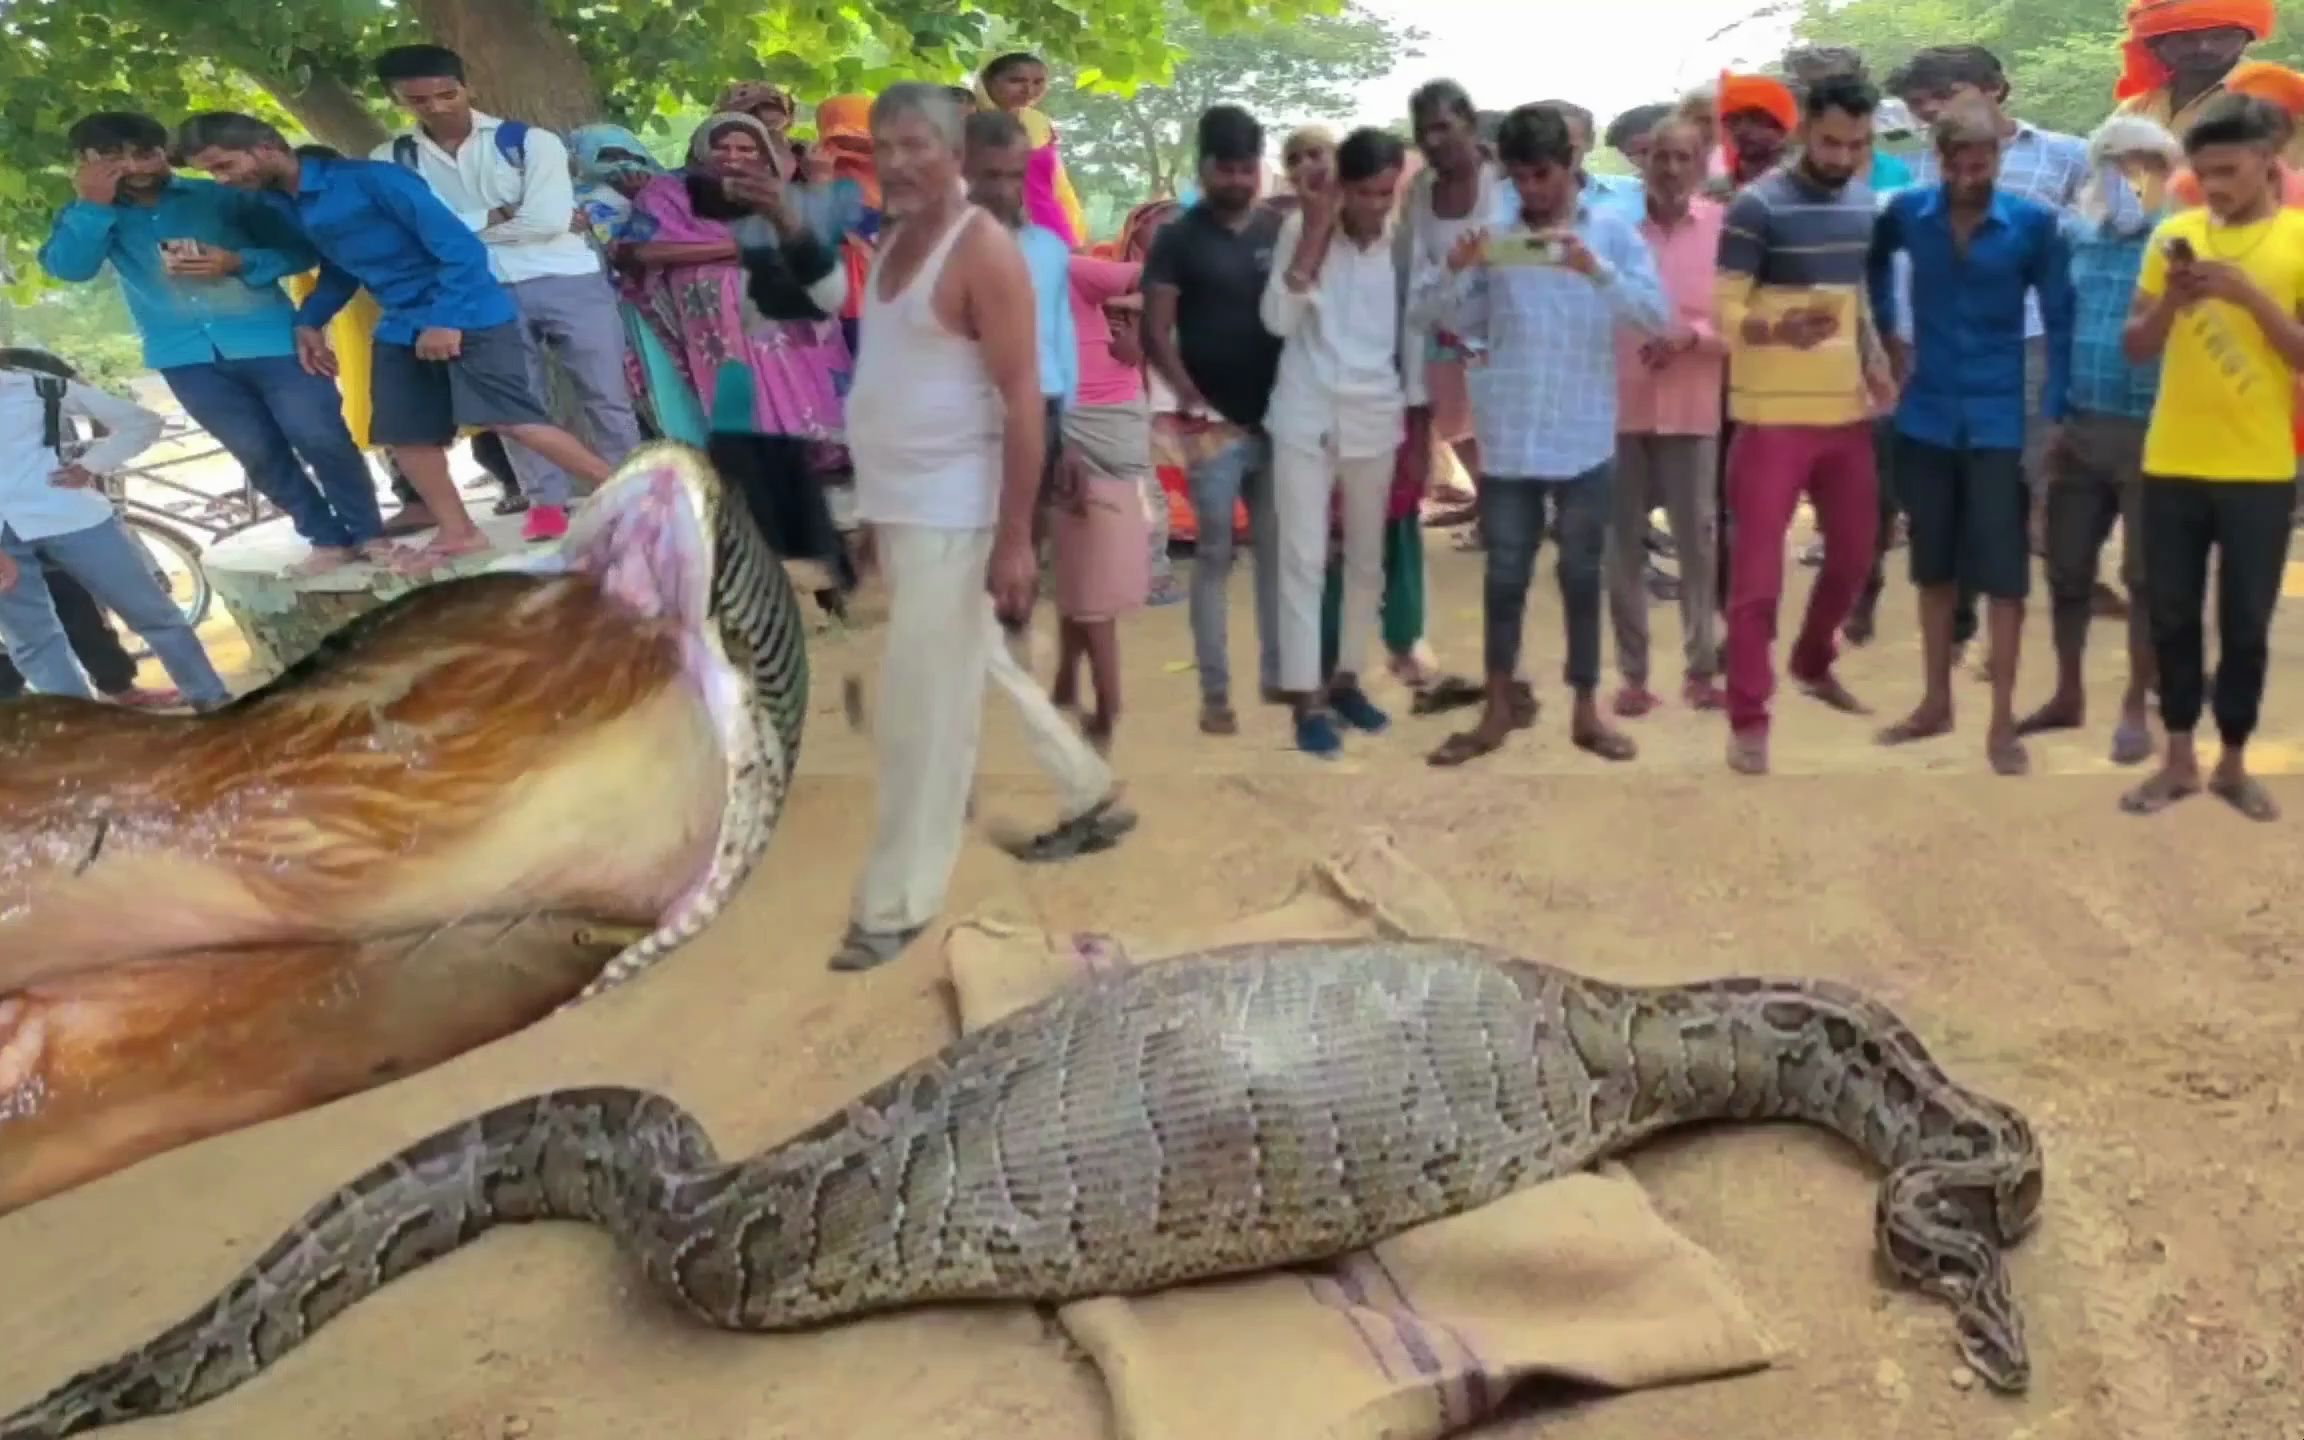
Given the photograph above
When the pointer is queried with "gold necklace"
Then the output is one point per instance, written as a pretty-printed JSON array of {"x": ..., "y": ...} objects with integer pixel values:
[{"x": 2208, "y": 237}]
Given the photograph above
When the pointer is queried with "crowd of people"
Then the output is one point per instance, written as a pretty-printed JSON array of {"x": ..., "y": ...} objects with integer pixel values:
[{"x": 2001, "y": 349}]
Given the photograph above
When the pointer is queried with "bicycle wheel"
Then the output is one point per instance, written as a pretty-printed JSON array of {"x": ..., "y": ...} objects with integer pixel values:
[{"x": 176, "y": 565}]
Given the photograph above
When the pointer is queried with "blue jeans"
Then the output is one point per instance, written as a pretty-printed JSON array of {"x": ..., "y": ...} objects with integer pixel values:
[
  {"x": 1512, "y": 522},
  {"x": 117, "y": 571},
  {"x": 276, "y": 419},
  {"x": 1240, "y": 471}
]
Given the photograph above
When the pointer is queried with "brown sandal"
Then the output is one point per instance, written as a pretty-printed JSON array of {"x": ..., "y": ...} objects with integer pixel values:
[{"x": 1461, "y": 748}]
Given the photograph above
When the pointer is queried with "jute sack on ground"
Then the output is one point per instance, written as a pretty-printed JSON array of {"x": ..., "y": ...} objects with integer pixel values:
[{"x": 1424, "y": 1333}]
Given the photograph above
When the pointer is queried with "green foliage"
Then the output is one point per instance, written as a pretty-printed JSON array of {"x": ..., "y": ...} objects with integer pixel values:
[
  {"x": 652, "y": 60},
  {"x": 86, "y": 325},
  {"x": 1126, "y": 141},
  {"x": 2062, "y": 58}
]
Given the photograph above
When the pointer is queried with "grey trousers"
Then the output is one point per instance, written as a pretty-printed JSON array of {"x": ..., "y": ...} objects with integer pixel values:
[
  {"x": 575, "y": 318},
  {"x": 1678, "y": 473},
  {"x": 2095, "y": 477}
]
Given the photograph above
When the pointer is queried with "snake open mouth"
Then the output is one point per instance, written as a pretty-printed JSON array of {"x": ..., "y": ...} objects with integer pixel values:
[{"x": 432, "y": 831}]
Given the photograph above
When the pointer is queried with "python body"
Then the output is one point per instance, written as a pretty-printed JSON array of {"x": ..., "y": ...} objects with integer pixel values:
[
  {"x": 1243, "y": 1108},
  {"x": 469, "y": 806}
]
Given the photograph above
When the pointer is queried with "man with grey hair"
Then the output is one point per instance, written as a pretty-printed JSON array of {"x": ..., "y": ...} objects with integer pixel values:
[
  {"x": 1976, "y": 250},
  {"x": 2096, "y": 468},
  {"x": 946, "y": 427}
]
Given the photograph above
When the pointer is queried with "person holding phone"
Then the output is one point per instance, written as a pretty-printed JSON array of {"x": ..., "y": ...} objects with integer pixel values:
[
  {"x": 201, "y": 267},
  {"x": 2220, "y": 301},
  {"x": 1805, "y": 373},
  {"x": 1545, "y": 295}
]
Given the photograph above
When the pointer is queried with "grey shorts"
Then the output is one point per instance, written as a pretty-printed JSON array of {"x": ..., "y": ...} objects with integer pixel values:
[
  {"x": 1116, "y": 439},
  {"x": 425, "y": 402}
]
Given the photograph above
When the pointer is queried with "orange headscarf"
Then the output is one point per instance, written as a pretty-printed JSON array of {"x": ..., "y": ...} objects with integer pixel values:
[
  {"x": 1740, "y": 94},
  {"x": 844, "y": 130},
  {"x": 2150, "y": 19},
  {"x": 2277, "y": 84}
]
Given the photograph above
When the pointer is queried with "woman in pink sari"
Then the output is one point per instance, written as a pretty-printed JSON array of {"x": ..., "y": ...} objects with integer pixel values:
[
  {"x": 770, "y": 388},
  {"x": 773, "y": 377}
]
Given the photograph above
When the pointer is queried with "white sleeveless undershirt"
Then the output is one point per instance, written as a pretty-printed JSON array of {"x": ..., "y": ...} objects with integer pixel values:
[{"x": 924, "y": 418}]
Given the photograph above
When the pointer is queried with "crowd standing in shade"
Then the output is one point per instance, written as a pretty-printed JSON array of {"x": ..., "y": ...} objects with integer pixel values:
[{"x": 2005, "y": 349}]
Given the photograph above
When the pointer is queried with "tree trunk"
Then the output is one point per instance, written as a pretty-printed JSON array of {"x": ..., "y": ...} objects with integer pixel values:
[
  {"x": 518, "y": 62},
  {"x": 327, "y": 109}
]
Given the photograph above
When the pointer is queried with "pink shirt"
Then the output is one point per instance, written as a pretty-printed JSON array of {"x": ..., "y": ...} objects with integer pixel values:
[
  {"x": 1682, "y": 398},
  {"x": 1104, "y": 378}
]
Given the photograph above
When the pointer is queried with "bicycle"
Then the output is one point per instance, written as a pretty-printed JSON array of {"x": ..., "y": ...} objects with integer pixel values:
[{"x": 178, "y": 562}]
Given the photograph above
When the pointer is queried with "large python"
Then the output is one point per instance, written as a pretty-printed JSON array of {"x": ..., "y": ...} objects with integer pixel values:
[
  {"x": 482, "y": 800},
  {"x": 1247, "y": 1107}
]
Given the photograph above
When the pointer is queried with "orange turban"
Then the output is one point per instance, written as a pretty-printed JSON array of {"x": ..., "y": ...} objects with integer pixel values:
[
  {"x": 2150, "y": 19},
  {"x": 2264, "y": 81},
  {"x": 1745, "y": 94},
  {"x": 844, "y": 131}
]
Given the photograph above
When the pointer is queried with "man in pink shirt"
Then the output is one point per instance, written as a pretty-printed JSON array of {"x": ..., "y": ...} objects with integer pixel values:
[{"x": 1668, "y": 427}]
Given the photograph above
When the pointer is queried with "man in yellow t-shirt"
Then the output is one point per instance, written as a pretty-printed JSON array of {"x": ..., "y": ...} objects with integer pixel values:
[{"x": 2220, "y": 300}]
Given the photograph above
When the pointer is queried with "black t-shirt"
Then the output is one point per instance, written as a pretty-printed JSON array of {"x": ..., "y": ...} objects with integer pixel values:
[{"x": 1219, "y": 275}]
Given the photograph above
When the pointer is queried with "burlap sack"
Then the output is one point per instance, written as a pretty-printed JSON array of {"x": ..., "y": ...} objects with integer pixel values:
[{"x": 1425, "y": 1333}]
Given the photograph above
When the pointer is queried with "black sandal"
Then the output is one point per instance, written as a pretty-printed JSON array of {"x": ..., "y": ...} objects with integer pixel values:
[{"x": 1100, "y": 827}]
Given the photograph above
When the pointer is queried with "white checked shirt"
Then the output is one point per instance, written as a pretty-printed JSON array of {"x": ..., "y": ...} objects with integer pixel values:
[
  {"x": 1544, "y": 404},
  {"x": 2044, "y": 165},
  {"x": 540, "y": 239}
]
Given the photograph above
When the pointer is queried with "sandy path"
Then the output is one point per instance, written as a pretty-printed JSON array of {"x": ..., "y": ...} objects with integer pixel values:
[{"x": 2132, "y": 985}]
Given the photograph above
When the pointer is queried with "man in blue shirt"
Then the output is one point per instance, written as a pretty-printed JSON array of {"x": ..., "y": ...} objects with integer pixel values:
[
  {"x": 2096, "y": 471},
  {"x": 201, "y": 267},
  {"x": 994, "y": 160},
  {"x": 448, "y": 350},
  {"x": 1975, "y": 251}
]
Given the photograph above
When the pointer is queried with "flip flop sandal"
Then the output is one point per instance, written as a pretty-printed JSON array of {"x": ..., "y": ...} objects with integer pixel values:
[
  {"x": 1095, "y": 829},
  {"x": 2249, "y": 797},
  {"x": 1449, "y": 692},
  {"x": 2155, "y": 795},
  {"x": 2131, "y": 745},
  {"x": 862, "y": 949},
  {"x": 1461, "y": 748},
  {"x": 512, "y": 505}
]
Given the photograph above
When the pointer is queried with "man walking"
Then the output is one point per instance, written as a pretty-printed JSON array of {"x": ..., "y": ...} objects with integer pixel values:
[
  {"x": 1545, "y": 295},
  {"x": 2219, "y": 300},
  {"x": 1976, "y": 251},
  {"x": 448, "y": 351},
  {"x": 201, "y": 266},
  {"x": 945, "y": 422},
  {"x": 1202, "y": 284},
  {"x": 2096, "y": 466},
  {"x": 509, "y": 182},
  {"x": 1804, "y": 370},
  {"x": 1668, "y": 427}
]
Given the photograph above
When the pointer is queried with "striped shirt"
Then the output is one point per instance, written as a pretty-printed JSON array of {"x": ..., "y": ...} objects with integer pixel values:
[{"x": 1791, "y": 244}]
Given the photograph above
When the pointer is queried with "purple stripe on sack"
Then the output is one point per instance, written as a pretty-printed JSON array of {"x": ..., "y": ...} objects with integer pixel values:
[
  {"x": 1478, "y": 1397},
  {"x": 1329, "y": 1291}
]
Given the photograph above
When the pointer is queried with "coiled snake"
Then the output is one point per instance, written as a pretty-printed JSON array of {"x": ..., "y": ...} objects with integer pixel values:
[{"x": 1242, "y": 1108}]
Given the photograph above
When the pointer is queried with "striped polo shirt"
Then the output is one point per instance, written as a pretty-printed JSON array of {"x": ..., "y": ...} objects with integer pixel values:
[{"x": 1789, "y": 244}]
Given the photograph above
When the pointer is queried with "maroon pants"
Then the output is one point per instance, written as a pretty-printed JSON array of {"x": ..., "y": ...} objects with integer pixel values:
[{"x": 1769, "y": 468}]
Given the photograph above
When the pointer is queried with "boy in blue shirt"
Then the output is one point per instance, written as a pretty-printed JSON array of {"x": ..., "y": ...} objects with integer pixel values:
[
  {"x": 200, "y": 266},
  {"x": 448, "y": 349}
]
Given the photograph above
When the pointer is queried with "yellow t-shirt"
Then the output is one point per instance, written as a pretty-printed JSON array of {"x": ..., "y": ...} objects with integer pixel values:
[{"x": 2227, "y": 403}]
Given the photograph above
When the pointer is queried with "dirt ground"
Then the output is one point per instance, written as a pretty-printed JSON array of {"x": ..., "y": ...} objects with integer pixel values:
[{"x": 2130, "y": 984}]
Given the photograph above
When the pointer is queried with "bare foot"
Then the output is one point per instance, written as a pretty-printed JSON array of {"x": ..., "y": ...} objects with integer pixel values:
[
  {"x": 1634, "y": 701},
  {"x": 1858, "y": 629},
  {"x": 2007, "y": 753},
  {"x": 1216, "y": 718},
  {"x": 439, "y": 552},
  {"x": 1827, "y": 688},
  {"x": 2244, "y": 793},
  {"x": 2164, "y": 788},
  {"x": 1467, "y": 745},
  {"x": 1748, "y": 752},
  {"x": 1524, "y": 705},
  {"x": 2062, "y": 712},
  {"x": 1597, "y": 739},
  {"x": 1922, "y": 724},
  {"x": 2132, "y": 739},
  {"x": 322, "y": 560},
  {"x": 1702, "y": 692}
]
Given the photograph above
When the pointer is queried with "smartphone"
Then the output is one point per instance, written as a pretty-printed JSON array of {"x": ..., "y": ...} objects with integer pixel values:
[
  {"x": 2180, "y": 251},
  {"x": 1525, "y": 250}
]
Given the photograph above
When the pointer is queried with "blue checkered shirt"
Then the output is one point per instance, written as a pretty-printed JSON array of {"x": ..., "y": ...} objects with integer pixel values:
[
  {"x": 1544, "y": 403},
  {"x": 2106, "y": 256}
]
